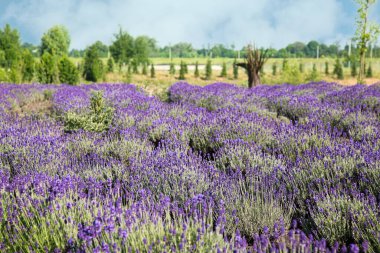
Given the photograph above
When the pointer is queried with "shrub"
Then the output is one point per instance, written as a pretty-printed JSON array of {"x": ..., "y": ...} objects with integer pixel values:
[
  {"x": 152, "y": 71},
  {"x": 338, "y": 69},
  {"x": 110, "y": 65},
  {"x": 252, "y": 208},
  {"x": 68, "y": 73},
  {"x": 208, "y": 70},
  {"x": 274, "y": 69},
  {"x": 93, "y": 66},
  {"x": 47, "y": 69},
  {"x": 97, "y": 119},
  {"x": 196, "y": 72},
  {"x": 292, "y": 75},
  {"x": 236, "y": 69},
  {"x": 172, "y": 69},
  {"x": 223, "y": 73},
  {"x": 3, "y": 76},
  {"x": 182, "y": 71}
]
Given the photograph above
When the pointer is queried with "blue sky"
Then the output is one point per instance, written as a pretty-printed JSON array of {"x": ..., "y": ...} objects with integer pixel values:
[{"x": 263, "y": 22}]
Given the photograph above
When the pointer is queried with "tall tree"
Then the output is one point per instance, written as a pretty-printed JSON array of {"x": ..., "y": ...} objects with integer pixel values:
[
  {"x": 208, "y": 71},
  {"x": 93, "y": 67},
  {"x": 47, "y": 69},
  {"x": 102, "y": 49},
  {"x": 28, "y": 66},
  {"x": 56, "y": 41},
  {"x": 10, "y": 47},
  {"x": 254, "y": 62},
  {"x": 122, "y": 48},
  {"x": 143, "y": 46},
  {"x": 366, "y": 31}
]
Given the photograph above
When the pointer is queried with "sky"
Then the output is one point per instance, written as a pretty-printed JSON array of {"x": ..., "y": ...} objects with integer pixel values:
[{"x": 273, "y": 23}]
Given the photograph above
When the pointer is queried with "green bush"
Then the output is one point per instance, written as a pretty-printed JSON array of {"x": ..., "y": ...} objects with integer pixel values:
[
  {"x": 196, "y": 72},
  {"x": 208, "y": 70},
  {"x": 110, "y": 65},
  {"x": 68, "y": 73},
  {"x": 292, "y": 75},
  {"x": 250, "y": 208},
  {"x": 223, "y": 73},
  {"x": 3, "y": 75},
  {"x": 98, "y": 119},
  {"x": 47, "y": 69},
  {"x": 172, "y": 69},
  {"x": 93, "y": 66}
]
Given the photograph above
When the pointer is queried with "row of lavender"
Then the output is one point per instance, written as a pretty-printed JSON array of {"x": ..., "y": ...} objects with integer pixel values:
[{"x": 221, "y": 168}]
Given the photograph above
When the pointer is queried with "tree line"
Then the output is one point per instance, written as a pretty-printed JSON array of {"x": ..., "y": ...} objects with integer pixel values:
[{"x": 49, "y": 62}]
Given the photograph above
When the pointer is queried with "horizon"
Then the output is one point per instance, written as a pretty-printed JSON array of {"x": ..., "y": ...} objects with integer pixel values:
[{"x": 220, "y": 22}]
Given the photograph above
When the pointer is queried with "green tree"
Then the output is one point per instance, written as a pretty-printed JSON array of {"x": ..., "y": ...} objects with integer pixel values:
[
  {"x": 110, "y": 65},
  {"x": 68, "y": 72},
  {"x": 327, "y": 71},
  {"x": 185, "y": 68},
  {"x": 354, "y": 71},
  {"x": 28, "y": 66},
  {"x": 182, "y": 71},
  {"x": 235, "y": 69},
  {"x": 135, "y": 65},
  {"x": 93, "y": 66},
  {"x": 366, "y": 31},
  {"x": 10, "y": 47},
  {"x": 208, "y": 70},
  {"x": 144, "y": 69},
  {"x": 313, "y": 75},
  {"x": 152, "y": 71},
  {"x": 143, "y": 46},
  {"x": 172, "y": 69},
  {"x": 223, "y": 73},
  {"x": 56, "y": 41},
  {"x": 102, "y": 49},
  {"x": 274, "y": 69},
  {"x": 338, "y": 69},
  {"x": 369, "y": 71},
  {"x": 122, "y": 48},
  {"x": 285, "y": 64},
  {"x": 301, "y": 67},
  {"x": 47, "y": 69},
  {"x": 196, "y": 72}
]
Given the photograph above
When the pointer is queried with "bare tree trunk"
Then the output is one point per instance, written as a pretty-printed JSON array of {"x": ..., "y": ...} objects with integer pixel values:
[
  {"x": 255, "y": 61},
  {"x": 256, "y": 79}
]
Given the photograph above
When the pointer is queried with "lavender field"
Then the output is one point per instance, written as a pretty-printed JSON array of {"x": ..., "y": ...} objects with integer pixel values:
[{"x": 107, "y": 168}]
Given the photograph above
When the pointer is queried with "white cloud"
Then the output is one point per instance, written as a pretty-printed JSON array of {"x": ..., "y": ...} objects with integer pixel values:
[{"x": 265, "y": 22}]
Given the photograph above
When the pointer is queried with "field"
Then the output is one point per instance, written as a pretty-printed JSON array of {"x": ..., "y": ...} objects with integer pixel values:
[
  {"x": 162, "y": 80},
  {"x": 220, "y": 168}
]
